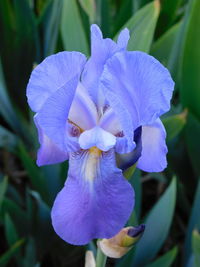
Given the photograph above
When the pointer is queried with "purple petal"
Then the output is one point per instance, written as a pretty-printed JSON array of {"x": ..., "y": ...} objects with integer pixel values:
[
  {"x": 53, "y": 116},
  {"x": 48, "y": 152},
  {"x": 124, "y": 161},
  {"x": 83, "y": 111},
  {"x": 154, "y": 149},
  {"x": 125, "y": 144},
  {"x": 142, "y": 85},
  {"x": 51, "y": 74},
  {"x": 123, "y": 38},
  {"x": 109, "y": 122},
  {"x": 96, "y": 200},
  {"x": 101, "y": 50},
  {"x": 122, "y": 145}
]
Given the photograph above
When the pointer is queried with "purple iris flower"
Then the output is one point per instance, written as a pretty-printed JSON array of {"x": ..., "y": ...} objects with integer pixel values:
[{"x": 90, "y": 111}]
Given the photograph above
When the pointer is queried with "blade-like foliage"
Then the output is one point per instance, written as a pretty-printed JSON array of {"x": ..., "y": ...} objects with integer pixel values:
[
  {"x": 142, "y": 27},
  {"x": 157, "y": 227},
  {"x": 33, "y": 29}
]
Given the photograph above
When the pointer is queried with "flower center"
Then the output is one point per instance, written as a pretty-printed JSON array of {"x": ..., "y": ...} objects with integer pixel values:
[
  {"x": 94, "y": 128},
  {"x": 97, "y": 137}
]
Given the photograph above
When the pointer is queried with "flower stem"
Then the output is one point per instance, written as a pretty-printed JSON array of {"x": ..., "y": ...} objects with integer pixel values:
[{"x": 101, "y": 258}]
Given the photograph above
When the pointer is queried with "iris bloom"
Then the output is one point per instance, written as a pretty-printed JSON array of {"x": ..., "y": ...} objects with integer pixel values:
[{"x": 89, "y": 111}]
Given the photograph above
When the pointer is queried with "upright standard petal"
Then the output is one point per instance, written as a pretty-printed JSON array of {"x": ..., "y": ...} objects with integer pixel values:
[
  {"x": 51, "y": 74},
  {"x": 123, "y": 38},
  {"x": 109, "y": 122},
  {"x": 101, "y": 51},
  {"x": 142, "y": 85},
  {"x": 96, "y": 200},
  {"x": 48, "y": 152},
  {"x": 53, "y": 116},
  {"x": 125, "y": 144},
  {"x": 83, "y": 111},
  {"x": 154, "y": 149}
]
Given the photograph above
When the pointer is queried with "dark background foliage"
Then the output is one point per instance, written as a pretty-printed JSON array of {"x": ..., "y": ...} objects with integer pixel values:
[{"x": 168, "y": 202}]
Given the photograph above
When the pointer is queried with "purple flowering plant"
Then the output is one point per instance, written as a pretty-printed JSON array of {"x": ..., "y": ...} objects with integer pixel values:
[{"x": 92, "y": 111}]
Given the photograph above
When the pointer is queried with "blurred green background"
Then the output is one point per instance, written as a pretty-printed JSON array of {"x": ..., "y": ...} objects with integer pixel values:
[{"x": 168, "y": 202}]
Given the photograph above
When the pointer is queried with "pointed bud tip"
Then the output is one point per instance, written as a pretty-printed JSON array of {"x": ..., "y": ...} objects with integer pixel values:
[{"x": 136, "y": 231}]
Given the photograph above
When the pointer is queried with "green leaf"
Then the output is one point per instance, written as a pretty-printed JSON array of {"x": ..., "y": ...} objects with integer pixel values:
[
  {"x": 168, "y": 13},
  {"x": 194, "y": 222},
  {"x": 196, "y": 247},
  {"x": 12, "y": 236},
  {"x": 103, "y": 18},
  {"x": 29, "y": 258},
  {"x": 17, "y": 19},
  {"x": 6, "y": 108},
  {"x": 128, "y": 173},
  {"x": 18, "y": 215},
  {"x": 157, "y": 227},
  {"x": 7, "y": 139},
  {"x": 192, "y": 133},
  {"x": 72, "y": 31},
  {"x": 162, "y": 48},
  {"x": 89, "y": 8},
  {"x": 142, "y": 26},
  {"x": 14, "y": 194},
  {"x": 174, "y": 124},
  {"x": 10, "y": 231},
  {"x": 123, "y": 14},
  {"x": 190, "y": 68},
  {"x": 3, "y": 188},
  {"x": 7, "y": 256},
  {"x": 166, "y": 260},
  {"x": 46, "y": 179},
  {"x": 136, "y": 183},
  {"x": 175, "y": 58},
  {"x": 42, "y": 228},
  {"x": 50, "y": 21},
  {"x": 190, "y": 262},
  {"x": 53, "y": 181},
  {"x": 91, "y": 246},
  {"x": 9, "y": 114},
  {"x": 133, "y": 219},
  {"x": 136, "y": 5},
  {"x": 35, "y": 175}
]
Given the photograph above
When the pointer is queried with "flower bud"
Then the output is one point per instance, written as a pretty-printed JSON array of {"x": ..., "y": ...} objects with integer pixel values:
[
  {"x": 121, "y": 243},
  {"x": 89, "y": 259}
]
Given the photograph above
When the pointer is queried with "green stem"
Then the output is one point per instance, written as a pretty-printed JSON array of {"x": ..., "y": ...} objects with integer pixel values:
[{"x": 101, "y": 258}]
